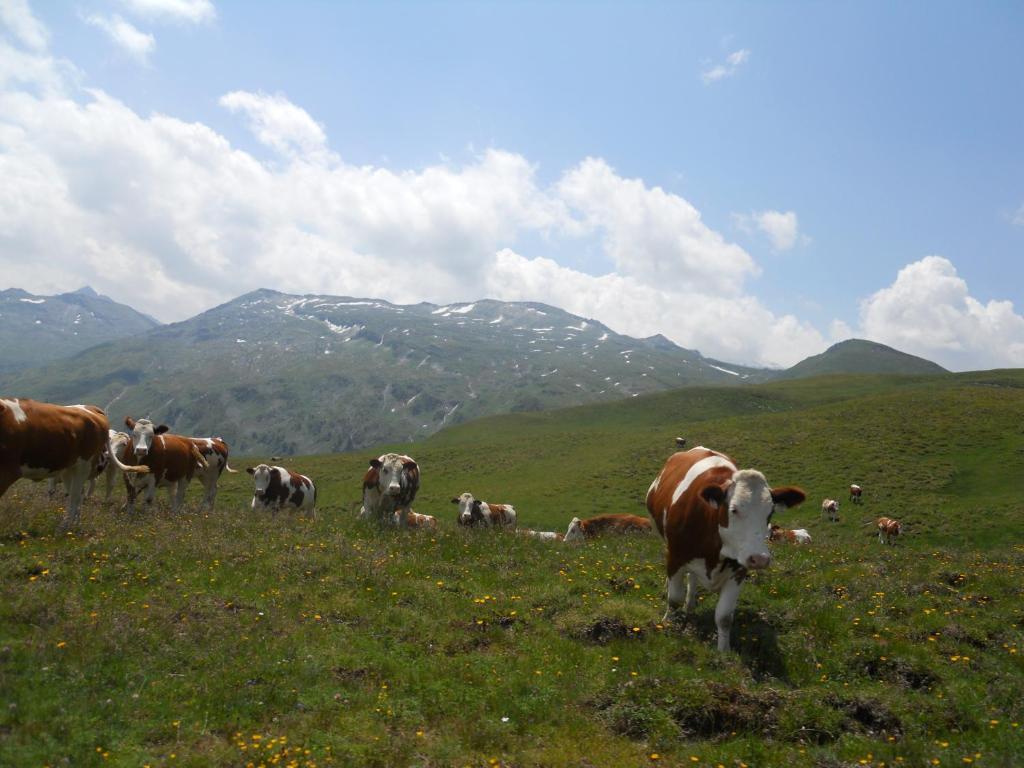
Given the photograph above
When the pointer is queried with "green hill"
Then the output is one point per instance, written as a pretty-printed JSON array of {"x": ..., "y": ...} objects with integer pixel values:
[
  {"x": 234, "y": 638},
  {"x": 860, "y": 356}
]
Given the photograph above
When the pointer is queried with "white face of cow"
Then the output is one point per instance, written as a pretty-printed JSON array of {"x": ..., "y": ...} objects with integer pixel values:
[
  {"x": 575, "y": 531},
  {"x": 389, "y": 479},
  {"x": 465, "y": 502},
  {"x": 750, "y": 505},
  {"x": 261, "y": 477},
  {"x": 142, "y": 434}
]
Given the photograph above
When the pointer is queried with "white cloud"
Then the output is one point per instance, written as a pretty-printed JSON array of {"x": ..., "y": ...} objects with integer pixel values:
[
  {"x": 782, "y": 229},
  {"x": 928, "y": 311},
  {"x": 191, "y": 11},
  {"x": 136, "y": 43},
  {"x": 27, "y": 29},
  {"x": 278, "y": 123},
  {"x": 728, "y": 68},
  {"x": 1018, "y": 217}
]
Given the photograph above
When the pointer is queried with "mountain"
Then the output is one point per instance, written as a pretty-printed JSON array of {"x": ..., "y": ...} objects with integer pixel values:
[
  {"x": 272, "y": 372},
  {"x": 39, "y": 329},
  {"x": 860, "y": 356}
]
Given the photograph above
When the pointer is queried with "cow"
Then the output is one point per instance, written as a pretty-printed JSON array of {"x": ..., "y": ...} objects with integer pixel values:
[
  {"x": 855, "y": 492},
  {"x": 594, "y": 526},
  {"x": 473, "y": 511},
  {"x": 795, "y": 536},
  {"x": 276, "y": 487},
  {"x": 830, "y": 507},
  {"x": 888, "y": 529},
  {"x": 542, "y": 535},
  {"x": 416, "y": 520},
  {"x": 714, "y": 520},
  {"x": 41, "y": 440},
  {"x": 681, "y": 442},
  {"x": 215, "y": 452},
  {"x": 172, "y": 461},
  {"x": 390, "y": 485},
  {"x": 104, "y": 466}
]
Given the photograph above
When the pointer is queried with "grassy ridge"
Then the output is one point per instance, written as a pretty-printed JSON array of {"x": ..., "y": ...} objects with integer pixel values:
[{"x": 231, "y": 638}]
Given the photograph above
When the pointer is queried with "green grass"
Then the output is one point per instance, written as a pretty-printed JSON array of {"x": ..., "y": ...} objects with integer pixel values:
[{"x": 231, "y": 638}]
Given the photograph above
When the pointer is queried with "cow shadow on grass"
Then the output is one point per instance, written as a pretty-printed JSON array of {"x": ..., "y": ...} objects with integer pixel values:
[{"x": 754, "y": 639}]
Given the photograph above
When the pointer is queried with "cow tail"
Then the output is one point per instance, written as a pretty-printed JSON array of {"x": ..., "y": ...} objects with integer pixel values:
[
  {"x": 227, "y": 468},
  {"x": 140, "y": 469}
]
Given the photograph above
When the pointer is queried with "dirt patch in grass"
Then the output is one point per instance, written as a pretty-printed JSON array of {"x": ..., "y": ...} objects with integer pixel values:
[
  {"x": 604, "y": 629},
  {"x": 730, "y": 710},
  {"x": 869, "y": 715},
  {"x": 897, "y": 671}
]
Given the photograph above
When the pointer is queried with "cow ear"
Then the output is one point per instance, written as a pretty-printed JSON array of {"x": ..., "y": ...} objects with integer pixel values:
[
  {"x": 129, "y": 422},
  {"x": 714, "y": 495},
  {"x": 410, "y": 464},
  {"x": 161, "y": 429},
  {"x": 787, "y": 496},
  {"x": 375, "y": 463},
  {"x": 251, "y": 470},
  {"x": 455, "y": 500}
]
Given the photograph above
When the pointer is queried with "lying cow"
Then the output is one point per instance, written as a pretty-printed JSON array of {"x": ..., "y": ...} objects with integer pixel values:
[
  {"x": 830, "y": 507},
  {"x": 277, "y": 487},
  {"x": 595, "y": 526},
  {"x": 476, "y": 512},
  {"x": 888, "y": 529},
  {"x": 39, "y": 441},
  {"x": 795, "y": 536},
  {"x": 172, "y": 460},
  {"x": 389, "y": 486},
  {"x": 542, "y": 535},
  {"x": 215, "y": 452},
  {"x": 416, "y": 520},
  {"x": 713, "y": 518},
  {"x": 855, "y": 492}
]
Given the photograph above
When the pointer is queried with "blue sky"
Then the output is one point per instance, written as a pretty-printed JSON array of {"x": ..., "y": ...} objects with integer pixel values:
[{"x": 886, "y": 133}]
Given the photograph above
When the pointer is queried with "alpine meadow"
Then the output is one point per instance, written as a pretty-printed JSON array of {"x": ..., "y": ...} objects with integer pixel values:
[{"x": 241, "y": 638}]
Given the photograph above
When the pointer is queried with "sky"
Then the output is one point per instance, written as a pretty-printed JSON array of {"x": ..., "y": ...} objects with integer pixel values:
[{"x": 753, "y": 180}]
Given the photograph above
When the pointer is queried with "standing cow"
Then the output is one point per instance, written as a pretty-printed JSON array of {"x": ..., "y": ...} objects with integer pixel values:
[
  {"x": 276, "y": 487},
  {"x": 714, "y": 519},
  {"x": 473, "y": 511},
  {"x": 42, "y": 440},
  {"x": 855, "y": 492},
  {"x": 172, "y": 462},
  {"x": 215, "y": 452},
  {"x": 389, "y": 486},
  {"x": 830, "y": 507},
  {"x": 888, "y": 530}
]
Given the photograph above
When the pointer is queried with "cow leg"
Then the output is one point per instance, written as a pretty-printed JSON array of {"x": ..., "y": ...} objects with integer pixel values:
[
  {"x": 210, "y": 497},
  {"x": 677, "y": 593},
  {"x": 74, "y": 478},
  {"x": 129, "y": 494},
  {"x": 724, "y": 612},
  {"x": 51, "y": 488},
  {"x": 176, "y": 493},
  {"x": 150, "y": 492},
  {"x": 108, "y": 477}
]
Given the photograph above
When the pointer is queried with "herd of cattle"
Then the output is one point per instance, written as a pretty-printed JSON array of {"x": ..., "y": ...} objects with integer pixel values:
[{"x": 714, "y": 517}]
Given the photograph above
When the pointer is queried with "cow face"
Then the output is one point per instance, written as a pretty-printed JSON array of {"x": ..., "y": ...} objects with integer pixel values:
[
  {"x": 261, "y": 477},
  {"x": 575, "y": 531},
  {"x": 465, "y": 502},
  {"x": 391, "y": 473},
  {"x": 142, "y": 433},
  {"x": 746, "y": 506}
]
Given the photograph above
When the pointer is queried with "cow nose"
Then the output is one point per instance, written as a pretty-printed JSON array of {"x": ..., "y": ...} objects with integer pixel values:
[
  {"x": 759, "y": 561},
  {"x": 394, "y": 489}
]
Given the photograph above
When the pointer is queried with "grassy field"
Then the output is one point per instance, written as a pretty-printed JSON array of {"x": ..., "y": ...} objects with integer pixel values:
[{"x": 234, "y": 639}]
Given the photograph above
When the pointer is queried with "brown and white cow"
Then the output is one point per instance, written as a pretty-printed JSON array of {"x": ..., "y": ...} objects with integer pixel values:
[
  {"x": 215, "y": 451},
  {"x": 888, "y": 529},
  {"x": 389, "y": 486},
  {"x": 473, "y": 511},
  {"x": 172, "y": 460},
  {"x": 595, "y": 526},
  {"x": 416, "y": 520},
  {"x": 714, "y": 519},
  {"x": 855, "y": 492},
  {"x": 42, "y": 440},
  {"x": 277, "y": 487},
  {"x": 794, "y": 536},
  {"x": 830, "y": 507}
]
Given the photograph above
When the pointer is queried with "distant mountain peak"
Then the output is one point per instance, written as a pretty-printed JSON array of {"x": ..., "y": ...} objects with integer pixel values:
[
  {"x": 86, "y": 290},
  {"x": 861, "y": 356}
]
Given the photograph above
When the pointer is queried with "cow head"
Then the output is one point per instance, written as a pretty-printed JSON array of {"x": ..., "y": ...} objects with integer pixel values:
[
  {"x": 575, "y": 530},
  {"x": 142, "y": 432},
  {"x": 745, "y": 507},
  {"x": 261, "y": 477},
  {"x": 393, "y": 472},
  {"x": 466, "y": 504}
]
